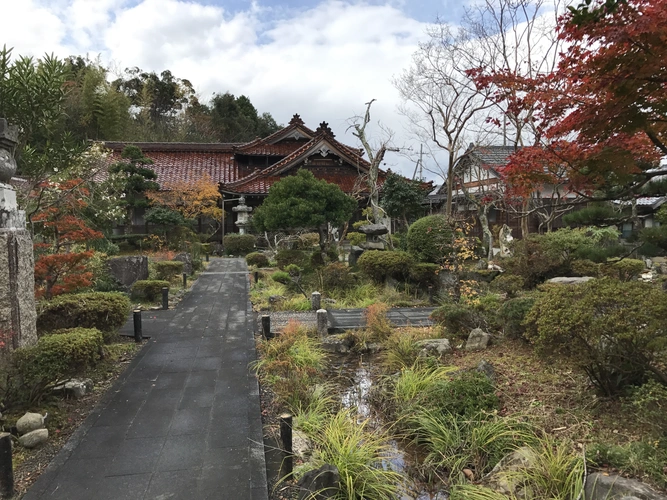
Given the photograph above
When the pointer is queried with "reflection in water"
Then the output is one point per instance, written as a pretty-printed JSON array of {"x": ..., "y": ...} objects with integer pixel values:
[{"x": 355, "y": 377}]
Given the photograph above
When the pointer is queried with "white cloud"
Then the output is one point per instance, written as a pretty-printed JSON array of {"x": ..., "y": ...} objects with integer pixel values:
[{"x": 323, "y": 62}]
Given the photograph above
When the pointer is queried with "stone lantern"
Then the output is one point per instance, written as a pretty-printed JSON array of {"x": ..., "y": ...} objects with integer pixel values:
[
  {"x": 17, "y": 266},
  {"x": 244, "y": 215}
]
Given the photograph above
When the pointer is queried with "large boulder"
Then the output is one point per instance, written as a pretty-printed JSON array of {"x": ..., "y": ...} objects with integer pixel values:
[
  {"x": 186, "y": 259},
  {"x": 477, "y": 340},
  {"x": 436, "y": 347},
  {"x": 319, "y": 484},
  {"x": 612, "y": 487},
  {"x": 30, "y": 422},
  {"x": 34, "y": 438},
  {"x": 127, "y": 270}
]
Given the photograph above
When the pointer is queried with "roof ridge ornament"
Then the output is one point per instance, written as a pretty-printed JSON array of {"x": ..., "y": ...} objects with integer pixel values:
[
  {"x": 296, "y": 120},
  {"x": 325, "y": 129}
]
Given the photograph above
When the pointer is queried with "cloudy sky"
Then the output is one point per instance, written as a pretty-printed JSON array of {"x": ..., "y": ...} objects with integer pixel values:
[{"x": 321, "y": 59}]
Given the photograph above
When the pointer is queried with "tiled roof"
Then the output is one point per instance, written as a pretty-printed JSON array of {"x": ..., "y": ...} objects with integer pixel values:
[
  {"x": 188, "y": 165},
  {"x": 260, "y": 148},
  {"x": 495, "y": 157}
]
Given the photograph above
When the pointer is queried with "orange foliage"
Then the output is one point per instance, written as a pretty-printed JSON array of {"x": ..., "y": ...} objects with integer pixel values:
[{"x": 191, "y": 199}]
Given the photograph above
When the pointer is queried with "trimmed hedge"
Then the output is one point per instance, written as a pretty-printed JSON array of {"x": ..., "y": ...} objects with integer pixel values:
[
  {"x": 167, "y": 269},
  {"x": 425, "y": 274},
  {"x": 624, "y": 270},
  {"x": 239, "y": 244},
  {"x": 430, "y": 238},
  {"x": 257, "y": 259},
  {"x": 286, "y": 257},
  {"x": 56, "y": 357},
  {"x": 380, "y": 265},
  {"x": 106, "y": 311},
  {"x": 148, "y": 289},
  {"x": 512, "y": 314}
]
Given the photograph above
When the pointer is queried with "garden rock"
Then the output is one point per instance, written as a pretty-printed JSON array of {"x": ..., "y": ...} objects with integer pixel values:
[
  {"x": 275, "y": 298},
  {"x": 75, "y": 388},
  {"x": 336, "y": 344},
  {"x": 127, "y": 270},
  {"x": 30, "y": 422},
  {"x": 612, "y": 487},
  {"x": 319, "y": 484},
  {"x": 186, "y": 259},
  {"x": 487, "y": 369},
  {"x": 570, "y": 280},
  {"x": 329, "y": 301},
  {"x": 499, "y": 479},
  {"x": 355, "y": 253},
  {"x": 477, "y": 340},
  {"x": 436, "y": 347},
  {"x": 302, "y": 446},
  {"x": 34, "y": 438},
  {"x": 448, "y": 281},
  {"x": 505, "y": 238}
]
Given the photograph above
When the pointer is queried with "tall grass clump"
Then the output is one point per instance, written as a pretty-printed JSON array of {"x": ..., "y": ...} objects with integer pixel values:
[
  {"x": 402, "y": 351},
  {"x": 314, "y": 410},
  {"x": 358, "y": 453},
  {"x": 478, "y": 443},
  {"x": 377, "y": 322},
  {"x": 290, "y": 363}
]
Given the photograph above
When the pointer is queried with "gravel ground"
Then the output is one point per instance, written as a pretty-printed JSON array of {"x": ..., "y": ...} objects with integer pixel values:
[{"x": 279, "y": 319}]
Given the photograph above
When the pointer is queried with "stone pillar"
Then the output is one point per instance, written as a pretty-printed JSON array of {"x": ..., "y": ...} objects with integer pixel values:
[
  {"x": 322, "y": 323},
  {"x": 244, "y": 215},
  {"x": 315, "y": 300},
  {"x": 17, "y": 267}
]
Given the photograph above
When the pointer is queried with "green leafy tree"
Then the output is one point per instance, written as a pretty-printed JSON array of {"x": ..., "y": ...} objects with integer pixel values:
[
  {"x": 138, "y": 178},
  {"x": 402, "y": 198},
  {"x": 303, "y": 202},
  {"x": 235, "y": 119}
]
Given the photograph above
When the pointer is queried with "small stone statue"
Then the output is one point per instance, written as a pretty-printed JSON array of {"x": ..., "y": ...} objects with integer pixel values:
[{"x": 505, "y": 237}]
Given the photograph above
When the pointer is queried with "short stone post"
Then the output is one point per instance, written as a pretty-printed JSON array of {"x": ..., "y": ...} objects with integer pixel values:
[
  {"x": 6, "y": 468},
  {"x": 266, "y": 327},
  {"x": 207, "y": 257},
  {"x": 185, "y": 280},
  {"x": 286, "y": 440},
  {"x": 165, "y": 297},
  {"x": 322, "y": 323},
  {"x": 137, "y": 326},
  {"x": 315, "y": 300},
  {"x": 430, "y": 294}
]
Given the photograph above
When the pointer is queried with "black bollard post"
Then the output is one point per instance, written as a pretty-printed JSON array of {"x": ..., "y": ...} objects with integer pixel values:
[
  {"x": 137, "y": 326},
  {"x": 286, "y": 438},
  {"x": 430, "y": 294},
  {"x": 256, "y": 277},
  {"x": 266, "y": 327},
  {"x": 6, "y": 468},
  {"x": 165, "y": 298},
  {"x": 207, "y": 257},
  {"x": 185, "y": 280}
]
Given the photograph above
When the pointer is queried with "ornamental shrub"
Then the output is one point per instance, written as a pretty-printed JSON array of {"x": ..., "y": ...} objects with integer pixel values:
[
  {"x": 239, "y": 244},
  {"x": 380, "y": 265},
  {"x": 257, "y": 259},
  {"x": 54, "y": 358},
  {"x": 624, "y": 270},
  {"x": 308, "y": 240},
  {"x": 510, "y": 284},
  {"x": 316, "y": 259},
  {"x": 286, "y": 257},
  {"x": 430, "y": 238},
  {"x": 106, "y": 311},
  {"x": 585, "y": 267},
  {"x": 148, "y": 289},
  {"x": 512, "y": 314},
  {"x": 649, "y": 404},
  {"x": 337, "y": 276},
  {"x": 425, "y": 274},
  {"x": 466, "y": 394},
  {"x": 614, "y": 330},
  {"x": 167, "y": 269},
  {"x": 281, "y": 277},
  {"x": 457, "y": 318},
  {"x": 356, "y": 238}
]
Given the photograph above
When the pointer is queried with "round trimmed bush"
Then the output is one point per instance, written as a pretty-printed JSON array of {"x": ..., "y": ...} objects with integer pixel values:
[
  {"x": 281, "y": 277},
  {"x": 430, "y": 238},
  {"x": 148, "y": 289},
  {"x": 425, "y": 274},
  {"x": 380, "y": 265},
  {"x": 337, "y": 276},
  {"x": 286, "y": 257},
  {"x": 106, "y": 311},
  {"x": 167, "y": 269},
  {"x": 239, "y": 244},
  {"x": 257, "y": 259},
  {"x": 510, "y": 284}
]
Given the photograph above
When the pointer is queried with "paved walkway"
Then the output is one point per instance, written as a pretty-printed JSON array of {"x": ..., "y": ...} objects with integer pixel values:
[{"x": 183, "y": 422}]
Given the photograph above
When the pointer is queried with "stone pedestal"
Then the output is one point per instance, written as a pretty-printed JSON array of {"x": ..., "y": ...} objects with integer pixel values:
[{"x": 17, "y": 267}]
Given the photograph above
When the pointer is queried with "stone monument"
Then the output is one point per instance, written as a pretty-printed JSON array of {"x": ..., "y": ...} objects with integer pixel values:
[
  {"x": 505, "y": 237},
  {"x": 244, "y": 215},
  {"x": 17, "y": 266},
  {"x": 373, "y": 233}
]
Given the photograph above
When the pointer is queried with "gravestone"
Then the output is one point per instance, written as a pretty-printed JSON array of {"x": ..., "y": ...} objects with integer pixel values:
[{"x": 17, "y": 266}]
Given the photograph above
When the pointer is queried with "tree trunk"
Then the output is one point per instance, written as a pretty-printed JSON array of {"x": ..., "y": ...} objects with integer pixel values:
[
  {"x": 450, "y": 186},
  {"x": 524, "y": 220},
  {"x": 482, "y": 214}
]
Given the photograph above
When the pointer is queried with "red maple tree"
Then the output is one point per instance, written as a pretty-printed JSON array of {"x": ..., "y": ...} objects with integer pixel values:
[{"x": 60, "y": 266}]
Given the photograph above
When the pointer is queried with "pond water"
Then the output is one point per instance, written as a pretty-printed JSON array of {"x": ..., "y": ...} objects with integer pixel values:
[{"x": 354, "y": 374}]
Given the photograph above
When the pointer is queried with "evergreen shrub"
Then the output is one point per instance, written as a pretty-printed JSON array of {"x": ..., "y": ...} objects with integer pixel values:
[
  {"x": 148, "y": 289},
  {"x": 167, "y": 269},
  {"x": 257, "y": 259},
  {"x": 106, "y": 311},
  {"x": 239, "y": 244},
  {"x": 380, "y": 265},
  {"x": 337, "y": 276},
  {"x": 286, "y": 257},
  {"x": 430, "y": 238}
]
